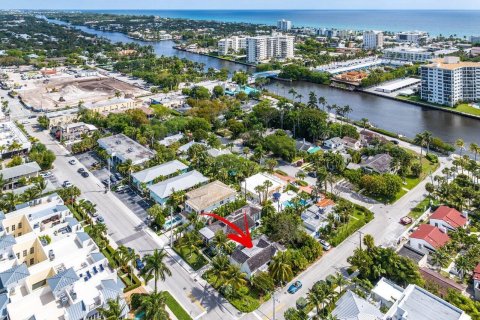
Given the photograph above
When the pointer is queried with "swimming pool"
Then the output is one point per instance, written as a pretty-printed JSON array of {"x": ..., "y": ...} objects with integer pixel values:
[
  {"x": 172, "y": 223},
  {"x": 288, "y": 204}
]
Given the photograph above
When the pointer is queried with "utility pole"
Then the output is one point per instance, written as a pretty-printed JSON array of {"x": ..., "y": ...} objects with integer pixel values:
[{"x": 360, "y": 233}]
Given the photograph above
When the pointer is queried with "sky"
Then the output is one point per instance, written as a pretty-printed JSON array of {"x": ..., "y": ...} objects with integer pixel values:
[{"x": 242, "y": 4}]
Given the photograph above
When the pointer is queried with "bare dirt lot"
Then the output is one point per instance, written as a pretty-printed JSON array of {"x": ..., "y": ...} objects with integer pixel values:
[{"x": 60, "y": 93}]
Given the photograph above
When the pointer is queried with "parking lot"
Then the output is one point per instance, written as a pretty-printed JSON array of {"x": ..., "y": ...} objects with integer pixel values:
[
  {"x": 88, "y": 159},
  {"x": 134, "y": 202}
]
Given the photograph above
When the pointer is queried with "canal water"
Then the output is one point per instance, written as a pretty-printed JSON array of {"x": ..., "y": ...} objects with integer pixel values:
[{"x": 395, "y": 116}]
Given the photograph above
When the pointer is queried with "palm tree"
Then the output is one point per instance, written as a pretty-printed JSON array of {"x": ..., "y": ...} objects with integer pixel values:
[
  {"x": 10, "y": 200},
  {"x": 154, "y": 306},
  {"x": 236, "y": 279},
  {"x": 155, "y": 266},
  {"x": 440, "y": 257},
  {"x": 114, "y": 310},
  {"x": 191, "y": 241},
  {"x": 41, "y": 184},
  {"x": 293, "y": 92},
  {"x": 280, "y": 268},
  {"x": 460, "y": 144},
  {"x": 221, "y": 243},
  {"x": 340, "y": 281},
  {"x": 323, "y": 102},
  {"x": 364, "y": 123},
  {"x": 219, "y": 269},
  {"x": 312, "y": 100},
  {"x": 125, "y": 256},
  {"x": 420, "y": 140},
  {"x": 475, "y": 149},
  {"x": 317, "y": 296},
  {"x": 462, "y": 265}
]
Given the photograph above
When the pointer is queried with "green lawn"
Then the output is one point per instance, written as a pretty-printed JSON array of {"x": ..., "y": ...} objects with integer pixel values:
[
  {"x": 175, "y": 307},
  {"x": 420, "y": 208},
  {"x": 464, "y": 107},
  {"x": 357, "y": 220},
  {"x": 427, "y": 168},
  {"x": 195, "y": 259},
  {"x": 246, "y": 300}
]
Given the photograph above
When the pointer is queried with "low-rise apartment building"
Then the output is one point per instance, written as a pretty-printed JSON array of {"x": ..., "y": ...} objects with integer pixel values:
[
  {"x": 417, "y": 37},
  {"x": 162, "y": 171},
  {"x": 112, "y": 105},
  {"x": 209, "y": 197},
  {"x": 121, "y": 148},
  {"x": 49, "y": 267},
  {"x": 12, "y": 140},
  {"x": 62, "y": 117},
  {"x": 12, "y": 176},
  {"x": 408, "y": 54},
  {"x": 449, "y": 81}
]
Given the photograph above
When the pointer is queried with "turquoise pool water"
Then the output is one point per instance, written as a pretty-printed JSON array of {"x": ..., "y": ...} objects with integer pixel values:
[
  {"x": 314, "y": 149},
  {"x": 288, "y": 204},
  {"x": 172, "y": 223}
]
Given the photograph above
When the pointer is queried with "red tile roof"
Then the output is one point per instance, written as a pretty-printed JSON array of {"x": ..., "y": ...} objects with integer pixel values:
[
  {"x": 450, "y": 216},
  {"x": 431, "y": 234},
  {"x": 476, "y": 272}
]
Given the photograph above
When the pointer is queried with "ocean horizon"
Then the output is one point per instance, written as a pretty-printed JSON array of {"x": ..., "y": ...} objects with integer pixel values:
[{"x": 462, "y": 23}]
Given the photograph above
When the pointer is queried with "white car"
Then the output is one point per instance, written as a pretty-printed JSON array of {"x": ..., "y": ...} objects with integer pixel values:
[
  {"x": 72, "y": 162},
  {"x": 45, "y": 175},
  {"x": 67, "y": 184}
]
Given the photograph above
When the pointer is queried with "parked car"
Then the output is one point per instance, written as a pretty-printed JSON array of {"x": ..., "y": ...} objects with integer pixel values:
[
  {"x": 85, "y": 174},
  {"x": 394, "y": 142},
  {"x": 100, "y": 219},
  {"x": 81, "y": 170},
  {"x": 294, "y": 287},
  {"x": 46, "y": 175},
  {"x": 67, "y": 184},
  {"x": 406, "y": 220},
  {"x": 325, "y": 245},
  {"x": 118, "y": 176},
  {"x": 72, "y": 162},
  {"x": 139, "y": 264}
]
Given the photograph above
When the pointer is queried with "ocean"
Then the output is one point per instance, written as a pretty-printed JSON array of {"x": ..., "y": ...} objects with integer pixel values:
[{"x": 462, "y": 23}]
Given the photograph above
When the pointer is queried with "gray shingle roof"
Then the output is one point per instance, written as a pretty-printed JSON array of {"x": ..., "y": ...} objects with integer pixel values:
[
  {"x": 179, "y": 183},
  {"x": 164, "y": 169},
  {"x": 13, "y": 275},
  {"x": 7, "y": 241},
  {"x": 380, "y": 163},
  {"x": 261, "y": 253},
  {"x": 62, "y": 280},
  {"x": 351, "y": 307},
  {"x": 19, "y": 171}
]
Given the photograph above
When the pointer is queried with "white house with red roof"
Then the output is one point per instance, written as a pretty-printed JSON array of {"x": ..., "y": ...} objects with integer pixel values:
[
  {"x": 428, "y": 238},
  {"x": 448, "y": 218}
]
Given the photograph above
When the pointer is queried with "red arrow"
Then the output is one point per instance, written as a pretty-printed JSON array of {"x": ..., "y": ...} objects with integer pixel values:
[{"x": 243, "y": 238}]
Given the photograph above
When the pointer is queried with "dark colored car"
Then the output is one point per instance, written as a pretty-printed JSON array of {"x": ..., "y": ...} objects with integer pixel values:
[
  {"x": 294, "y": 287},
  {"x": 81, "y": 170},
  {"x": 85, "y": 174},
  {"x": 139, "y": 264}
]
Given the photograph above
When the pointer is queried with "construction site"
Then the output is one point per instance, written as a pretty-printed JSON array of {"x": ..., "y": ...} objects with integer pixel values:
[{"x": 59, "y": 92}]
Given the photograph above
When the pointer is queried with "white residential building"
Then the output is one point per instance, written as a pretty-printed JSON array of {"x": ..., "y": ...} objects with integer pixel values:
[
  {"x": 408, "y": 54},
  {"x": 209, "y": 197},
  {"x": 412, "y": 37},
  {"x": 11, "y": 135},
  {"x": 448, "y": 81},
  {"x": 262, "y": 48},
  {"x": 284, "y": 25},
  {"x": 372, "y": 39},
  {"x": 260, "y": 179},
  {"x": 49, "y": 267},
  {"x": 232, "y": 44}
]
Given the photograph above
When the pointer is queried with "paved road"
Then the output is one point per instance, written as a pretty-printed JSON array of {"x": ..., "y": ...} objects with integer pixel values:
[
  {"x": 385, "y": 228},
  {"x": 124, "y": 227}
]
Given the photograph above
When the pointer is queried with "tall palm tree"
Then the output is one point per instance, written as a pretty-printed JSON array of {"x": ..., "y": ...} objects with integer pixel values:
[
  {"x": 190, "y": 241},
  {"x": 475, "y": 149},
  {"x": 280, "y": 268},
  {"x": 293, "y": 92},
  {"x": 125, "y": 256},
  {"x": 154, "y": 306},
  {"x": 317, "y": 296},
  {"x": 155, "y": 266},
  {"x": 340, "y": 281},
  {"x": 221, "y": 243},
  {"x": 236, "y": 279},
  {"x": 114, "y": 310},
  {"x": 323, "y": 102},
  {"x": 364, "y": 123},
  {"x": 460, "y": 144},
  {"x": 220, "y": 266}
]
